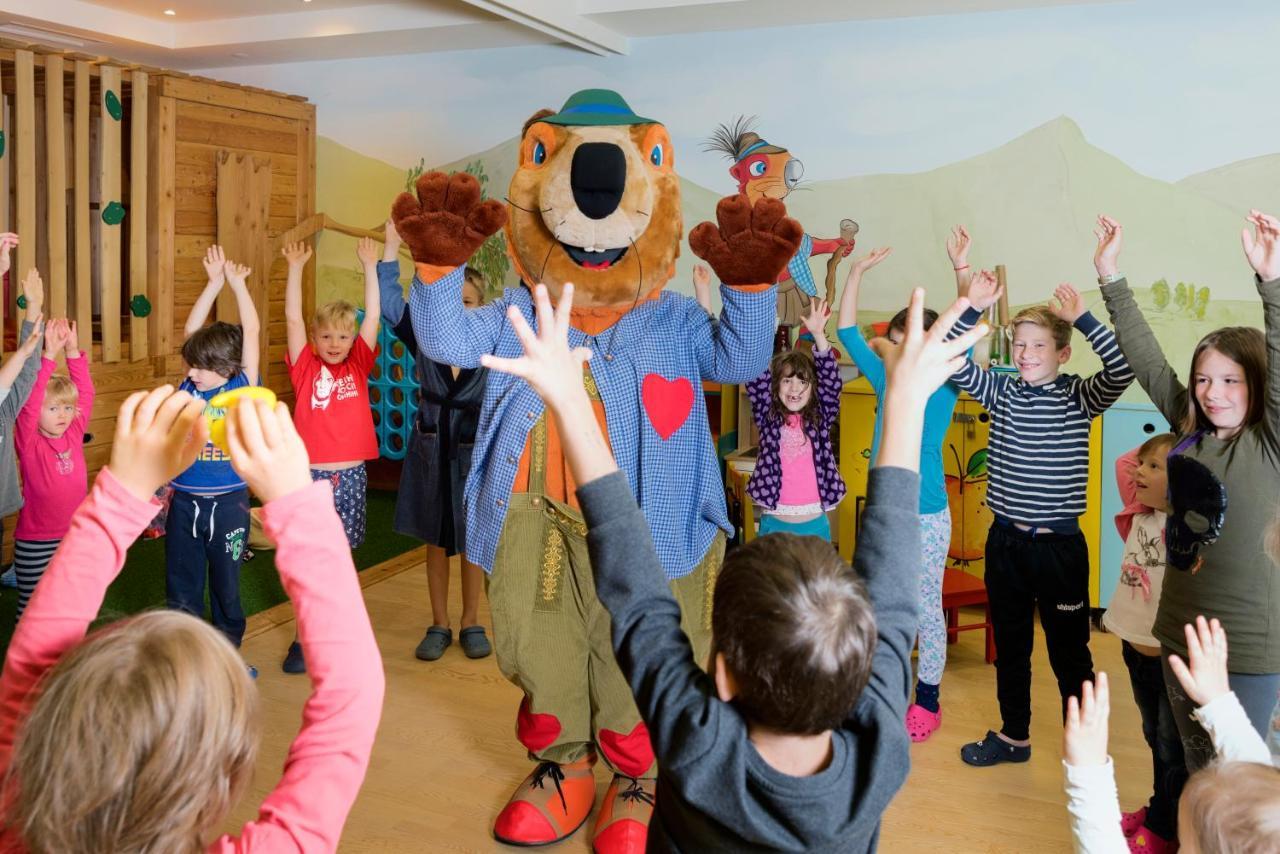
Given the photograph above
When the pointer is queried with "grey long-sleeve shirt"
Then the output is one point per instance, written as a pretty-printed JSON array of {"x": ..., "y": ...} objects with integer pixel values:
[
  {"x": 715, "y": 792},
  {"x": 11, "y": 401}
]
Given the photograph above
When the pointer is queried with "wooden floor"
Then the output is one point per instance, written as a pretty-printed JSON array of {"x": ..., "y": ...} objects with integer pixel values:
[{"x": 446, "y": 758}]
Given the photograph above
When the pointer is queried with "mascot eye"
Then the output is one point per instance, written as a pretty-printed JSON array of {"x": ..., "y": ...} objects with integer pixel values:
[
  {"x": 656, "y": 155},
  {"x": 758, "y": 168},
  {"x": 539, "y": 154}
]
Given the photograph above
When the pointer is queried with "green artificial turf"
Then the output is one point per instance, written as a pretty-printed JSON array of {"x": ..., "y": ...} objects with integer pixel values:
[{"x": 140, "y": 584}]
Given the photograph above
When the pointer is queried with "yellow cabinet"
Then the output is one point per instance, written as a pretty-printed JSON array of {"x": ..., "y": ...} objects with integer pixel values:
[{"x": 964, "y": 464}]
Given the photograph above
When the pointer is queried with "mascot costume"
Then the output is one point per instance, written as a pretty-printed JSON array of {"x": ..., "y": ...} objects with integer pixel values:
[
  {"x": 594, "y": 201},
  {"x": 766, "y": 171}
]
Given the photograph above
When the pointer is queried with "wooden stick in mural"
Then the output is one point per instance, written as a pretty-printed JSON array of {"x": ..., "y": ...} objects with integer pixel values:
[
  {"x": 83, "y": 235},
  {"x": 139, "y": 305},
  {"x": 55, "y": 184},
  {"x": 25, "y": 120},
  {"x": 111, "y": 211}
]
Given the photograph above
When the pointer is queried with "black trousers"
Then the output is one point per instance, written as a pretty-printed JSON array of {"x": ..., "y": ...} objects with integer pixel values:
[
  {"x": 1025, "y": 570},
  {"x": 206, "y": 536},
  {"x": 1168, "y": 766}
]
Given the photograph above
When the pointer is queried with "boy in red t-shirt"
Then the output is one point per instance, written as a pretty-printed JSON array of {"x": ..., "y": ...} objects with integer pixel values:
[{"x": 329, "y": 369}]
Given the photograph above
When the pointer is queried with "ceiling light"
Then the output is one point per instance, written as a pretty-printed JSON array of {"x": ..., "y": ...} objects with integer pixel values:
[{"x": 170, "y": 12}]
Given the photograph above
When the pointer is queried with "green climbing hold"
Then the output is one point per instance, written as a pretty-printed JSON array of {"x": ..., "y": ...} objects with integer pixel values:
[
  {"x": 113, "y": 105},
  {"x": 22, "y": 301},
  {"x": 113, "y": 214},
  {"x": 1, "y": 143},
  {"x": 140, "y": 306}
]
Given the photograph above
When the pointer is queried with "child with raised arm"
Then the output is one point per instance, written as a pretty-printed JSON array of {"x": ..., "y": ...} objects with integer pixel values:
[
  {"x": 329, "y": 366},
  {"x": 49, "y": 438},
  {"x": 1038, "y": 472},
  {"x": 925, "y": 714},
  {"x": 207, "y": 529},
  {"x": 1226, "y": 462},
  {"x": 429, "y": 503},
  {"x": 792, "y": 739},
  {"x": 143, "y": 735},
  {"x": 795, "y": 403},
  {"x": 1230, "y": 806}
]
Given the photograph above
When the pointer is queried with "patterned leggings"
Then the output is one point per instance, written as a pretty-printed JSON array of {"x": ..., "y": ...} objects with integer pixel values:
[
  {"x": 350, "y": 490},
  {"x": 30, "y": 560},
  {"x": 935, "y": 539}
]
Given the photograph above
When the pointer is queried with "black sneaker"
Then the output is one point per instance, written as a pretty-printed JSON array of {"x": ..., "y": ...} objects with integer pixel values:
[
  {"x": 992, "y": 750},
  {"x": 294, "y": 662}
]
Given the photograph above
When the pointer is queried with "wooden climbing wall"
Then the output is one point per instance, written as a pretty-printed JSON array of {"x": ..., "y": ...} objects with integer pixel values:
[{"x": 243, "y": 200}]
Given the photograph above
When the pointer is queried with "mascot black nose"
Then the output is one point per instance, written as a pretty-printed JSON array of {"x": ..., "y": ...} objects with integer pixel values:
[{"x": 598, "y": 177}]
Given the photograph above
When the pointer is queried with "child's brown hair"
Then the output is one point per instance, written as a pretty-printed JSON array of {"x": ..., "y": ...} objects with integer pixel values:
[
  {"x": 793, "y": 363},
  {"x": 218, "y": 347},
  {"x": 474, "y": 278},
  {"x": 1233, "y": 807},
  {"x": 1040, "y": 315},
  {"x": 1154, "y": 445},
  {"x": 1243, "y": 345},
  {"x": 60, "y": 390},
  {"x": 143, "y": 738},
  {"x": 797, "y": 632}
]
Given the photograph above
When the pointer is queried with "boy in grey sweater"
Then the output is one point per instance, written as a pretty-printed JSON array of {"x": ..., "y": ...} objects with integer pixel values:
[{"x": 793, "y": 738}]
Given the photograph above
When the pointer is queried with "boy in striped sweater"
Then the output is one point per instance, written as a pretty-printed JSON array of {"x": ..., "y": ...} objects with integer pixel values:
[{"x": 1038, "y": 471}]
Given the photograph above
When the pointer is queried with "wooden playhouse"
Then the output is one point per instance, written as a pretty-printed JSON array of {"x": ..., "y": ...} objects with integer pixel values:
[{"x": 116, "y": 178}]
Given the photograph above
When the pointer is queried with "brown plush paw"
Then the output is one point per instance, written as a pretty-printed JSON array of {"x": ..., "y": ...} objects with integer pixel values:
[
  {"x": 447, "y": 222},
  {"x": 751, "y": 245}
]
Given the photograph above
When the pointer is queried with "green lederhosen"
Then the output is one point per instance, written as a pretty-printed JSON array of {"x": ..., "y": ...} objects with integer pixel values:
[{"x": 552, "y": 636}]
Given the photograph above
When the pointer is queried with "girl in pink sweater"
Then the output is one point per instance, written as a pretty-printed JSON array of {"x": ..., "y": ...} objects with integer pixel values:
[
  {"x": 142, "y": 736},
  {"x": 49, "y": 439}
]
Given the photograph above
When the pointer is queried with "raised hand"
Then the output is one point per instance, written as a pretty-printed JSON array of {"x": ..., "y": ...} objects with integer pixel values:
[
  {"x": 751, "y": 245},
  {"x": 56, "y": 333},
  {"x": 236, "y": 273},
  {"x": 984, "y": 290},
  {"x": 548, "y": 364},
  {"x": 390, "y": 242},
  {"x": 296, "y": 254},
  {"x": 1206, "y": 679},
  {"x": 1084, "y": 735},
  {"x": 367, "y": 251},
  {"x": 815, "y": 321},
  {"x": 1262, "y": 248},
  {"x": 702, "y": 285},
  {"x": 958, "y": 243},
  {"x": 159, "y": 433},
  {"x": 8, "y": 240},
  {"x": 1106, "y": 257},
  {"x": 865, "y": 262},
  {"x": 73, "y": 340},
  {"x": 214, "y": 262},
  {"x": 266, "y": 449},
  {"x": 926, "y": 359},
  {"x": 1067, "y": 303},
  {"x": 33, "y": 292},
  {"x": 446, "y": 222}
]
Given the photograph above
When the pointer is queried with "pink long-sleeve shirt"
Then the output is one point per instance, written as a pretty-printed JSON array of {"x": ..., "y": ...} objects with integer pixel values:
[
  {"x": 328, "y": 758},
  {"x": 54, "y": 476}
]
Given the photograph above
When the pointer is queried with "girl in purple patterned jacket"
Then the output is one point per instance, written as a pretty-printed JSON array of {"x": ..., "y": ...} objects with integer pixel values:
[{"x": 794, "y": 404}]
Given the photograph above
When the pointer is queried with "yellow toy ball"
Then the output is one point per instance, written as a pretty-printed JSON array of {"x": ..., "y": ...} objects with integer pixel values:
[{"x": 216, "y": 412}]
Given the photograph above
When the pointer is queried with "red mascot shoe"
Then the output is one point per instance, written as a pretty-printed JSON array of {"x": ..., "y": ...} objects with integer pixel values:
[
  {"x": 551, "y": 803},
  {"x": 623, "y": 824}
]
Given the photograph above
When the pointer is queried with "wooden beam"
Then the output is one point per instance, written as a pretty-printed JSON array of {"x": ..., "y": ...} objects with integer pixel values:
[
  {"x": 243, "y": 200},
  {"x": 109, "y": 107},
  {"x": 25, "y": 121},
  {"x": 235, "y": 97},
  {"x": 56, "y": 184},
  {"x": 6, "y": 146},
  {"x": 559, "y": 19},
  {"x": 161, "y": 156},
  {"x": 138, "y": 261},
  {"x": 83, "y": 234}
]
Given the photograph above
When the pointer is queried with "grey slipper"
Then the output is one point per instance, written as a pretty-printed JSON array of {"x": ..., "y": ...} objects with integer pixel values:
[
  {"x": 474, "y": 643},
  {"x": 434, "y": 643}
]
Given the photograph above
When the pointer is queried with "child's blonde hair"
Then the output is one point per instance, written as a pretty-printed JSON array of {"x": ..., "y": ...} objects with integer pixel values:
[
  {"x": 1040, "y": 315},
  {"x": 340, "y": 315},
  {"x": 473, "y": 277},
  {"x": 142, "y": 739},
  {"x": 60, "y": 390},
  {"x": 1234, "y": 807}
]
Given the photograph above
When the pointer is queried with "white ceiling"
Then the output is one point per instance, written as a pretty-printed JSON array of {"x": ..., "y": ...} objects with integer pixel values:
[{"x": 215, "y": 33}]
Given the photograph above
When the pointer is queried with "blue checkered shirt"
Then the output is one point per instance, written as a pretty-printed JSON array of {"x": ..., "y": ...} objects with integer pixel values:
[
  {"x": 676, "y": 481},
  {"x": 798, "y": 267}
]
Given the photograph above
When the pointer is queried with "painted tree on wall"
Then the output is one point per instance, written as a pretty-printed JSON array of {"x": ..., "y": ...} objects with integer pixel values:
[{"x": 1160, "y": 294}]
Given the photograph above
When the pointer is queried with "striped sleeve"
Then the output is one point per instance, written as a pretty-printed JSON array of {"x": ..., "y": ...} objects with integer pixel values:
[
  {"x": 1104, "y": 388},
  {"x": 983, "y": 386}
]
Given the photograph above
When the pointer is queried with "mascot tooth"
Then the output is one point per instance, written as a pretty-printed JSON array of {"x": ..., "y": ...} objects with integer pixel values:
[{"x": 595, "y": 201}]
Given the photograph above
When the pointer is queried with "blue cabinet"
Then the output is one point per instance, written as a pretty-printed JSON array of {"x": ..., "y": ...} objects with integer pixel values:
[{"x": 1125, "y": 426}]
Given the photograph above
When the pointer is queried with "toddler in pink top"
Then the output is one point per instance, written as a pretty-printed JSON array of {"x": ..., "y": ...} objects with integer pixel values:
[
  {"x": 143, "y": 735},
  {"x": 49, "y": 439}
]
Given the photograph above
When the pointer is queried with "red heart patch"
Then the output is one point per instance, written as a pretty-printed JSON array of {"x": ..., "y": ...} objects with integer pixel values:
[
  {"x": 666, "y": 402},
  {"x": 536, "y": 731}
]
